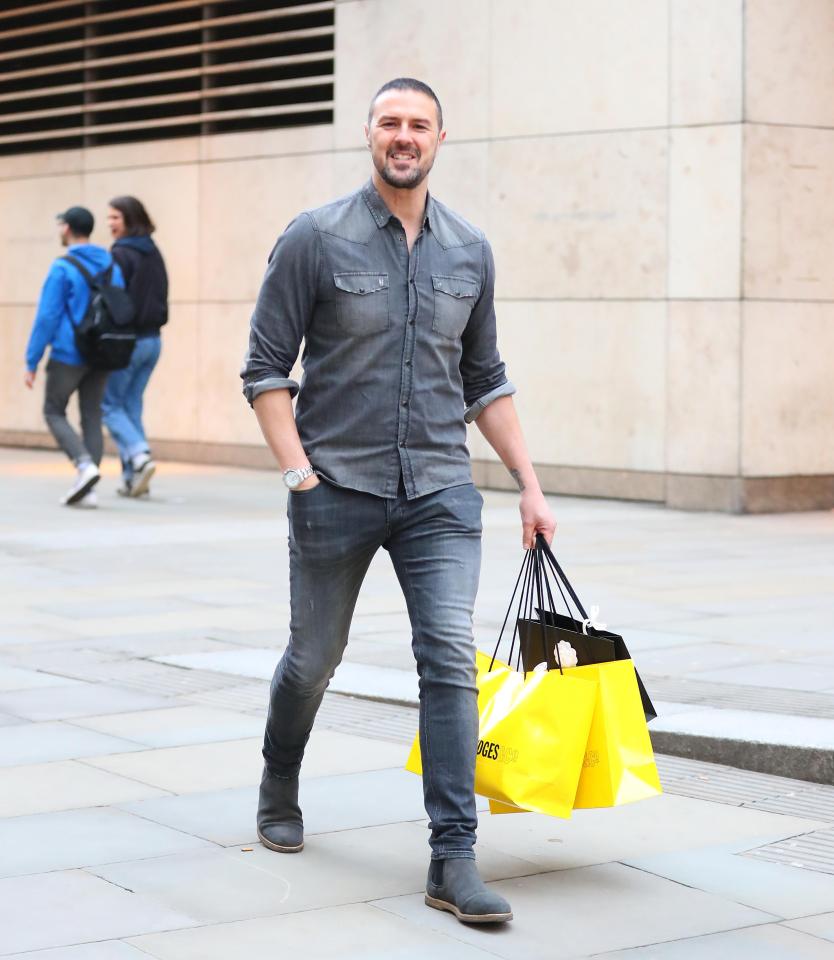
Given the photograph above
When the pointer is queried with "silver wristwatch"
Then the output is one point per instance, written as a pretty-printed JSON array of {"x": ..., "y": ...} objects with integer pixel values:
[{"x": 295, "y": 476}]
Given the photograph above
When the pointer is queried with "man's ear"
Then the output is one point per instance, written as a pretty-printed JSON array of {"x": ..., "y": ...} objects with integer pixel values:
[
  {"x": 367, "y": 130},
  {"x": 441, "y": 137}
]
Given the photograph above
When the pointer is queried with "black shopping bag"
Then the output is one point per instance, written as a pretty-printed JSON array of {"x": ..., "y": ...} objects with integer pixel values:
[{"x": 538, "y": 636}]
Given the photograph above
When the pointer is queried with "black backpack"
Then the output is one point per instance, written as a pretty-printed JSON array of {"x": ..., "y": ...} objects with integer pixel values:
[{"x": 106, "y": 335}]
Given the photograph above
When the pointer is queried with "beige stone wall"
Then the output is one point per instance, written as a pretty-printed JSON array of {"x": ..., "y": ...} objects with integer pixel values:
[{"x": 656, "y": 181}]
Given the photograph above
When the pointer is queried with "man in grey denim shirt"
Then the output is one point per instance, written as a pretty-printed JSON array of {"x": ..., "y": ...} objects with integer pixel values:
[{"x": 392, "y": 295}]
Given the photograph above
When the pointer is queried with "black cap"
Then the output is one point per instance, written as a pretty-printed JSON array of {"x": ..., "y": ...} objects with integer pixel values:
[{"x": 79, "y": 220}]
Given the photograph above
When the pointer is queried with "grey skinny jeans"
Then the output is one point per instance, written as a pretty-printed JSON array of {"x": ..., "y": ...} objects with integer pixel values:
[
  {"x": 62, "y": 381},
  {"x": 435, "y": 546}
]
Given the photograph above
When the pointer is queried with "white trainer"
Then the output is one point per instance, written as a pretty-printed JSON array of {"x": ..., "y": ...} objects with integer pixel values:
[
  {"x": 141, "y": 481},
  {"x": 87, "y": 478}
]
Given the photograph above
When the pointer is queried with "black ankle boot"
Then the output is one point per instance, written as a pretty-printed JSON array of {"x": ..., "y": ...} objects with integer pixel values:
[
  {"x": 455, "y": 885},
  {"x": 280, "y": 826}
]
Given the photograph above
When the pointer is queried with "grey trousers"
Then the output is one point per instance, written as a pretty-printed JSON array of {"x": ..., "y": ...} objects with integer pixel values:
[
  {"x": 435, "y": 545},
  {"x": 62, "y": 381}
]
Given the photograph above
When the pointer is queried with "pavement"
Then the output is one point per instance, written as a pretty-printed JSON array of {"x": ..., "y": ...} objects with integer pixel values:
[{"x": 136, "y": 642}]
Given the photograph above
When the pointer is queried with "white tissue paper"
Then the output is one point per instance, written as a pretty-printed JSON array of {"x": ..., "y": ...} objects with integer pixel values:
[
  {"x": 565, "y": 653},
  {"x": 564, "y": 650}
]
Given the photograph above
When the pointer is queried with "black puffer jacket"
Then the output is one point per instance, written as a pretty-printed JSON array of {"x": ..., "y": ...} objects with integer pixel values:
[{"x": 146, "y": 280}]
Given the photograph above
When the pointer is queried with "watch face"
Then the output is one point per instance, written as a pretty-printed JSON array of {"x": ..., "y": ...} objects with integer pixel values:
[{"x": 292, "y": 479}]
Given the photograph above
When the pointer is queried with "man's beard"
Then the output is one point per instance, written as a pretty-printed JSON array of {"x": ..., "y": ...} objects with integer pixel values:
[{"x": 404, "y": 181}]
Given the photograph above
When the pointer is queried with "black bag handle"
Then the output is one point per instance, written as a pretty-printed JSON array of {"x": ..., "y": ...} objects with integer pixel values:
[
  {"x": 544, "y": 561},
  {"x": 535, "y": 589},
  {"x": 543, "y": 546},
  {"x": 523, "y": 575}
]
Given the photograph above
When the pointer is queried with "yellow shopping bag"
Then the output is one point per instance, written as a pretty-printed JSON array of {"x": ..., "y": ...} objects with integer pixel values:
[
  {"x": 618, "y": 766},
  {"x": 496, "y": 807},
  {"x": 533, "y": 730}
]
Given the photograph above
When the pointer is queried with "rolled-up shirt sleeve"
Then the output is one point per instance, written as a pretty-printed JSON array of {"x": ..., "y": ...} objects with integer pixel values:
[
  {"x": 481, "y": 368},
  {"x": 283, "y": 310}
]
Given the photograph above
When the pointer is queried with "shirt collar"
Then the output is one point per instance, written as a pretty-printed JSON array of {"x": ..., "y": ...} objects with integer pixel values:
[{"x": 381, "y": 213}]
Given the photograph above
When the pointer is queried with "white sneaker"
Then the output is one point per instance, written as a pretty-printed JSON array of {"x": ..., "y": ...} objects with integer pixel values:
[
  {"x": 142, "y": 474},
  {"x": 87, "y": 478},
  {"x": 89, "y": 501}
]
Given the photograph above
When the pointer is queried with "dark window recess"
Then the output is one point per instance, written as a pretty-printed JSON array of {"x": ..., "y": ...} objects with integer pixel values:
[{"x": 76, "y": 74}]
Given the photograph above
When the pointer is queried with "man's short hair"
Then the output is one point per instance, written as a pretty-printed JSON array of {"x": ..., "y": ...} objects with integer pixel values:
[{"x": 407, "y": 83}]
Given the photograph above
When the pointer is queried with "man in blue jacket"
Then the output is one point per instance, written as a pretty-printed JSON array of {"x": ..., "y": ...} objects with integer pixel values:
[{"x": 62, "y": 306}]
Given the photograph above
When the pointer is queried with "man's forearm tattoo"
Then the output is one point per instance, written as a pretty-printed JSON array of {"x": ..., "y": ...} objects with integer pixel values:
[{"x": 516, "y": 475}]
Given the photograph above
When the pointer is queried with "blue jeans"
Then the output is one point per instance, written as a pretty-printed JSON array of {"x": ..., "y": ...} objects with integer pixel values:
[
  {"x": 435, "y": 546},
  {"x": 122, "y": 404}
]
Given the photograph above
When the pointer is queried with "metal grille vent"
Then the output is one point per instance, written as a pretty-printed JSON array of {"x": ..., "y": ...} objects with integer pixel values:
[{"x": 77, "y": 74}]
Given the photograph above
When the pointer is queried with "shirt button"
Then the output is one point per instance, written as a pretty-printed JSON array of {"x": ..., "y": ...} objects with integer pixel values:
[
  {"x": 402, "y": 443},
  {"x": 405, "y": 403},
  {"x": 411, "y": 323},
  {"x": 408, "y": 363}
]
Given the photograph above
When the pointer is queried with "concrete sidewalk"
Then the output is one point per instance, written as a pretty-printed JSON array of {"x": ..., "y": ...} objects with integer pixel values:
[{"x": 127, "y": 782}]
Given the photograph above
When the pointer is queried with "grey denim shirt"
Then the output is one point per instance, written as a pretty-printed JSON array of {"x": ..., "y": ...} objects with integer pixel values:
[{"x": 399, "y": 350}]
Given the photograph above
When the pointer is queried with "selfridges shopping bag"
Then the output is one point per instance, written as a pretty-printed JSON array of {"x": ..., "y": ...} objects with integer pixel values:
[
  {"x": 533, "y": 728},
  {"x": 618, "y": 766},
  {"x": 532, "y": 734}
]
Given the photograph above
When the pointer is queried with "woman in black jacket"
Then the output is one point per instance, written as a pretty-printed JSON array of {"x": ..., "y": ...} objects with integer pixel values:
[{"x": 146, "y": 281}]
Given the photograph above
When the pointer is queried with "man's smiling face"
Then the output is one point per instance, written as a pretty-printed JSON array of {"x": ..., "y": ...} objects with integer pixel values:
[{"x": 403, "y": 137}]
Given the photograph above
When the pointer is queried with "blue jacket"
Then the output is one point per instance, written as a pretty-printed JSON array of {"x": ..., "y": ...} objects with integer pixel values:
[{"x": 63, "y": 303}]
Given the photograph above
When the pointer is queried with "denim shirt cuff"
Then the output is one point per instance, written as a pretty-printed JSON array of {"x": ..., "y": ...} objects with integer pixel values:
[
  {"x": 474, "y": 410},
  {"x": 252, "y": 390}
]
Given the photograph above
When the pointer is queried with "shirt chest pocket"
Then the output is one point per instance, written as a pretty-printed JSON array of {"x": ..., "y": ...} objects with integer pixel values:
[
  {"x": 454, "y": 299},
  {"x": 362, "y": 302}
]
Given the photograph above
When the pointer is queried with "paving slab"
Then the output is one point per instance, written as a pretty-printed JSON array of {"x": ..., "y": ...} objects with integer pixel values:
[
  {"x": 64, "y": 785},
  {"x": 754, "y": 726},
  {"x": 664, "y": 824},
  {"x": 663, "y": 638},
  {"x": 702, "y": 657},
  {"x": 227, "y": 817},
  {"x": 76, "y": 700},
  {"x": 806, "y": 627},
  {"x": 159, "y": 642},
  {"x": 349, "y": 866},
  {"x": 585, "y": 911},
  {"x": 785, "y": 891},
  {"x": 357, "y": 679},
  {"x": 247, "y": 662},
  {"x": 767, "y": 942},
  {"x": 104, "y": 607},
  {"x": 82, "y": 838},
  {"x": 15, "y": 678},
  {"x": 356, "y": 932},
  {"x": 78, "y": 907},
  {"x": 821, "y": 925},
  {"x": 54, "y": 740},
  {"x": 190, "y": 769},
  {"x": 793, "y": 676},
  {"x": 175, "y": 726},
  {"x": 104, "y": 950},
  {"x": 237, "y": 763}
]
